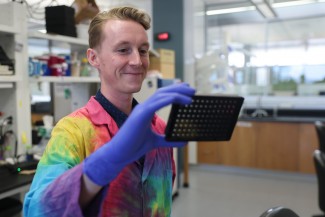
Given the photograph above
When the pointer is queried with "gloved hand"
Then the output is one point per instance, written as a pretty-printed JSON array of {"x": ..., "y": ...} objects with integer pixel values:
[{"x": 135, "y": 138}]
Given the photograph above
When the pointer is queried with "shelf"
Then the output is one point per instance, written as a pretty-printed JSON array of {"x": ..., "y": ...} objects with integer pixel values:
[
  {"x": 9, "y": 78},
  {"x": 58, "y": 38},
  {"x": 71, "y": 40},
  {"x": 7, "y": 29},
  {"x": 65, "y": 79},
  {"x": 6, "y": 85}
]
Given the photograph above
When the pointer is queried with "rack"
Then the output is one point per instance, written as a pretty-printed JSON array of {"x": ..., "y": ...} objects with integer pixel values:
[
  {"x": 14, "y": 89},
  {"x": 65, "y": 79},
  {"x": 58, "y": 38}
]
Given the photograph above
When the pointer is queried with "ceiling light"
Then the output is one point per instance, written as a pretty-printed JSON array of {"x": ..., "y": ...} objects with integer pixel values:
[
  {"x": 264, "y": 8},
  {"x": 229, "y": 10},
  {"x": 294, "y": 3}
]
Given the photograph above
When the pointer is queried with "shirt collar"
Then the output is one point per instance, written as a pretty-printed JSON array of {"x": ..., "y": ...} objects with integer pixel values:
[{"x": 118, "y": 116}]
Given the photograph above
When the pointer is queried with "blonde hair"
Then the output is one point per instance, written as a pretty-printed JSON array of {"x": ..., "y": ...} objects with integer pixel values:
[{"x": 118, "y": 13}]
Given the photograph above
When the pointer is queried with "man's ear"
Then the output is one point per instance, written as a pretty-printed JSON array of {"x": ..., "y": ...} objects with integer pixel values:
[{"x": 92, "y": 57}]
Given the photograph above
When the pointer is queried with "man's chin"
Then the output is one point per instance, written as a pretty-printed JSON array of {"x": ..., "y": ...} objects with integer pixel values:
[
  {"x": 133, "y": 89},
  {"x": 136, "y": 87},
  {"x": 137, "y": 90}
]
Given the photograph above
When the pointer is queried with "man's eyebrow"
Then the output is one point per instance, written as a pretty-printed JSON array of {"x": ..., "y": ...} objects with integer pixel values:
[
  {"x": 146, "y": 44},
  {"x": 128, "y": 43},
  {"x": 122, "y": 43}
]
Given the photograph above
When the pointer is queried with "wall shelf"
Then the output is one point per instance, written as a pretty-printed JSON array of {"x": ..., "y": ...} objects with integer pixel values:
[
  {"x": 6, "y": 85},
  {"x": 65, "y": 79},
  {"x": 7, "y": 29},
  {"x": 58, "y": 38},
  {"x": 9, "y": 78}
]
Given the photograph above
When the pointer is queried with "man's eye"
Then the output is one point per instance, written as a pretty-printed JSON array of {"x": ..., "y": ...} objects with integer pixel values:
[
  {"x": 144, "y": 51},
  {"x": 123, "y": 50}
]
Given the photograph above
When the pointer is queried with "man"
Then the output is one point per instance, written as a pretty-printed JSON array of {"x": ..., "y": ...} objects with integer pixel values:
[{"x": 94, "y": 166}]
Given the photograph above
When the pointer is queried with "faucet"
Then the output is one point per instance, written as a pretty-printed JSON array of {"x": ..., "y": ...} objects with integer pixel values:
[{"x": 259, "y": 112}]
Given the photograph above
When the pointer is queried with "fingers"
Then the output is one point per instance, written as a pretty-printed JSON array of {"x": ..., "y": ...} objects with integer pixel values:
[
  {"x": 181, "y": 88},
  {"x": 180, "y": 93},
  {"x": 164, "y": 99}
]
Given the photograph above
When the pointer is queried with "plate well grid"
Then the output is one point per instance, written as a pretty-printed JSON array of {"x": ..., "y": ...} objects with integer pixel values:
[{"x": 207, "y": 118}]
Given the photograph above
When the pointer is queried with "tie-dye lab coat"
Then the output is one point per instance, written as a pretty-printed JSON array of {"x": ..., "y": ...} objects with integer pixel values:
[{"x": 56, "y": 185}]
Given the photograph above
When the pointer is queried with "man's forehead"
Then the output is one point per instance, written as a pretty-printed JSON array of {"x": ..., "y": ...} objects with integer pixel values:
[{"x": 121, "y": 22}]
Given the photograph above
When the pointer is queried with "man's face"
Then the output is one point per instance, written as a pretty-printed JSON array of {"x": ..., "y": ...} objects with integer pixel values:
[{"x": 123, "y": 57}]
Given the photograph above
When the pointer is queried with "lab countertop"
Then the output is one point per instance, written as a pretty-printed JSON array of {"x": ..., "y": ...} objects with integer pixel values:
[
  {"x": 283, "y": 115},
  {"x": 10, "y": 180},
  {"x": 282, "y": 119}
]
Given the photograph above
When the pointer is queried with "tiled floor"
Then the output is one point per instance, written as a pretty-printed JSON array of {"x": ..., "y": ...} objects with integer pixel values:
[{"x": 233, "y": 192}]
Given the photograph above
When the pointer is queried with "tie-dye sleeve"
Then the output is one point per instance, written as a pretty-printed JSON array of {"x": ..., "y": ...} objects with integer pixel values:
[
  {"x": 56, "y": 186},
  {"x": 54, "y": 192}
]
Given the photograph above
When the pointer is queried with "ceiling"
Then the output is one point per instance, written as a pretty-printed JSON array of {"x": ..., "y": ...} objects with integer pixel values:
[
  {"x": 295, "y": 22},
  {"x": 298, "y": 22}
]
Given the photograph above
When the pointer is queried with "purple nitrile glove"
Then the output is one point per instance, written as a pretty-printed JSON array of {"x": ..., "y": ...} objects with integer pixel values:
[{"x": 135, "y": 138}]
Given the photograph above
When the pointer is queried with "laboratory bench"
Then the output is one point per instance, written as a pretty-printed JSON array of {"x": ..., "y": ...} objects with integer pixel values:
[
  {"x": 13, "y": 183},
  {"x": 282, "y": 143}
]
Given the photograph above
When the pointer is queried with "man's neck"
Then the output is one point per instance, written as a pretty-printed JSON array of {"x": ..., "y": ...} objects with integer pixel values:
[{"x": 122, "y": 101}]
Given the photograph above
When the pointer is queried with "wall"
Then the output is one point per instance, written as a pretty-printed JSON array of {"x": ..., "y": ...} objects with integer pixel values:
[
  {"x": 168, "y": 17},
  {"x": 184, "y": 22}
]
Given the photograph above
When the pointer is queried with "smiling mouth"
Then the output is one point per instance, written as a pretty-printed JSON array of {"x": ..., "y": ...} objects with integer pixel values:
[{"x": 134, "y": 74}]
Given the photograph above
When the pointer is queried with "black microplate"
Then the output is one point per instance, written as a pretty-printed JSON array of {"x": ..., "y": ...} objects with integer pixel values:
[{"x": 207, "y": 118}]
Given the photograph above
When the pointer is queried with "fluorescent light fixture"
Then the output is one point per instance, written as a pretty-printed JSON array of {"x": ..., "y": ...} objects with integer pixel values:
[
  {"x": 230, "y": 10},
  {"x": 294, "y": 3},
  {"x": 264, "y": 8}
]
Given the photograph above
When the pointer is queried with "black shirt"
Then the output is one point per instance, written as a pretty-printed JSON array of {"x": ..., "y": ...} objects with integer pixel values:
[{"x": 118, "y": 116}]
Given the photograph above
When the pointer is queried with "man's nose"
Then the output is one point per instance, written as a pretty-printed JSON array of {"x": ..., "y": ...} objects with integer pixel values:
[{"x": 135, "y": 58}]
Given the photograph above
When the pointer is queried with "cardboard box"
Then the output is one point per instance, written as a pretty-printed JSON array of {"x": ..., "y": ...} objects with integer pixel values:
[
  {"x": 166, "y": 55},
  {"x": 167, "y": 70},
  {"x": 165, "y": 63}
]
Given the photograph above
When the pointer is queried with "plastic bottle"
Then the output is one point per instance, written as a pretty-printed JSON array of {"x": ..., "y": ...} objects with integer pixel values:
[
  {"x": 68, "y": 62},
  {"x": 84, "y": 69}
]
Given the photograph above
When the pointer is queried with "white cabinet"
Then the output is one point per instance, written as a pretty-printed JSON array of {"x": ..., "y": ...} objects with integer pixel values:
[{"x": 14, "y": 89}]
